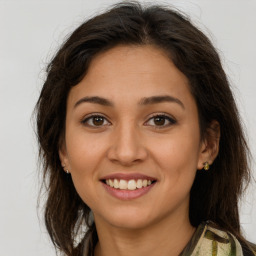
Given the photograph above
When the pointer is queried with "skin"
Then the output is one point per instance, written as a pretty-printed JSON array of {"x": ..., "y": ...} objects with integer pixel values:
[{"x": 128, "y": 139}]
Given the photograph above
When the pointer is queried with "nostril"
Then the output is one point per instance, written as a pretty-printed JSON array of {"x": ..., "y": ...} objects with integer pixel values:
[{"x": 127, "y": 151}]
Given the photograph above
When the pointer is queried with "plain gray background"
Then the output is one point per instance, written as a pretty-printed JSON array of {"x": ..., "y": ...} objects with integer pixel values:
[{"x": 30, "y": 32}]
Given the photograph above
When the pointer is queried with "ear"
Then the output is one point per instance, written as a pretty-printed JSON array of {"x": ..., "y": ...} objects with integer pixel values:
[
  {"x": 210, "y": 145},
  {"x": 64, "y": 157}
]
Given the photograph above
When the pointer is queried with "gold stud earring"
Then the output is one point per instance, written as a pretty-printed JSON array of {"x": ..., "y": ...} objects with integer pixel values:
[{"x": 206, "y": 166}]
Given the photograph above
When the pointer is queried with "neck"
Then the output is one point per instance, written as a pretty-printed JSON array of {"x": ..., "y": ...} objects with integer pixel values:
[{"x": 167, "y": 237}]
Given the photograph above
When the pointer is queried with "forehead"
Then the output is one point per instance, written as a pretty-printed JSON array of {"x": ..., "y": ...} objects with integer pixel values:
[
  {"x": 140, "y": 62},
  {"x": 130, "y": 72}
]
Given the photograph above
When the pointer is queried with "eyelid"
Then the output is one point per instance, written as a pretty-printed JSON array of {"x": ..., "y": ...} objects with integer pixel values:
[
  {"x": 170, "y": 118},
  {"x": 87, "y": 117}
]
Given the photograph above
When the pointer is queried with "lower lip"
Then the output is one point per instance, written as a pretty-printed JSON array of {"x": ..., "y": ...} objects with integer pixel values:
[{"x": 125, "y": 194}]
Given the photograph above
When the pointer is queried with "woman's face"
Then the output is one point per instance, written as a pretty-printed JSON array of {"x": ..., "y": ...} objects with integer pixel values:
[{"x": 130, "y": 122}]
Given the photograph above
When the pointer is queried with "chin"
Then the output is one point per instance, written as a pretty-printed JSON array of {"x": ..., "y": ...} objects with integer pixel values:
[
  {"x": 128, "y": 218},
  {"x": 130, "y": 223}
]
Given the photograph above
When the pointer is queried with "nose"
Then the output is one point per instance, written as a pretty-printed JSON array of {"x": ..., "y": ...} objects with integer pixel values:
[{"x": 127, "y": 146}]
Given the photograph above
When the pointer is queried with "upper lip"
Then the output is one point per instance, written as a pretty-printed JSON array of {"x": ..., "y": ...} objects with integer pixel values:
[{"x": 128, "y": 176}]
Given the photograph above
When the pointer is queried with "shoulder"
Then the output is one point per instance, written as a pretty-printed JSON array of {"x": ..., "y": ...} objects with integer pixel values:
[
  {"x": 212, "y": 240},
  {"x": 244, "y": 247}
]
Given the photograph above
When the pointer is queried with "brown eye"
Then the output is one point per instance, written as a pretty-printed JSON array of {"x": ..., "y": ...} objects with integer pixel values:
[
  {"x": 159, "y": 120},
  {"x": 98, "y": 120},
  {"x": 95, "y": 121}
]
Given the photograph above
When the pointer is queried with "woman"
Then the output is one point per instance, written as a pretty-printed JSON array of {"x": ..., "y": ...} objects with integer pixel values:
[{"x": 140, "y": 140}]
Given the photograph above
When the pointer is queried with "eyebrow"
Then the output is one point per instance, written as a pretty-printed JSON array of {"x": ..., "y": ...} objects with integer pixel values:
[
  {"x": 142, "y": 102},
  {"x": 160, "y": 99},
  {"x": 95, "y": 100}
]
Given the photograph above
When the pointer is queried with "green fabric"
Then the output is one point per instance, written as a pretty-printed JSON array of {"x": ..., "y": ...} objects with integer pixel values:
[{"x": 208, "y": 240}]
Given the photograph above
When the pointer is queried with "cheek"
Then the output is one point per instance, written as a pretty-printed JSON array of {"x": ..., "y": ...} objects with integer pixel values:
[
  {"x": 84, "y": 158},
  {"x": 177, "y": 157},
  {"x": 84, "y": 151},
  {"x": 177, "y": 162},
  {"x": 178, "y": 149}
]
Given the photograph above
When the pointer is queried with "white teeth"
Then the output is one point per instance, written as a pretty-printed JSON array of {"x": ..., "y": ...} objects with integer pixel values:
[
  {"x": 111, "y": 183},
  {"x": 116, "y": 183},
  {"x": 132, "y": 185},
  {"x": 139, "y": 183},
  {"x": 128, "y": 184},
  {"x": 123, "y": 184},
  {"x": 144, "y": 183}
]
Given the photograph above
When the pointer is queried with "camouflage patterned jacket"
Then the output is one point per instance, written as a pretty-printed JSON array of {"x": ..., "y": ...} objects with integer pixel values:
[{"x": 208, "y": 240}]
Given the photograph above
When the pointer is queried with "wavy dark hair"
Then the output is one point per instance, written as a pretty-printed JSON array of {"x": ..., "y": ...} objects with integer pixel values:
[{"x": 214, "y": 194}]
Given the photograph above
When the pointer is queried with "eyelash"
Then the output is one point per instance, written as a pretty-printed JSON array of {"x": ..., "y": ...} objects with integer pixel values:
[
  {"x": 171, "y": 121},
  {"x": 85, "y": 120}
]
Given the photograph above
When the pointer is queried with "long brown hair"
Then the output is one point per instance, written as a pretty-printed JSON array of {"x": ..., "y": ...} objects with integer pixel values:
[{"x": 215, "y": 194}]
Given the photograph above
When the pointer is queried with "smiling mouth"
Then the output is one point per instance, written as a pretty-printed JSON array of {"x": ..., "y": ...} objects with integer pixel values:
[{"x": 131, "y": 184}]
